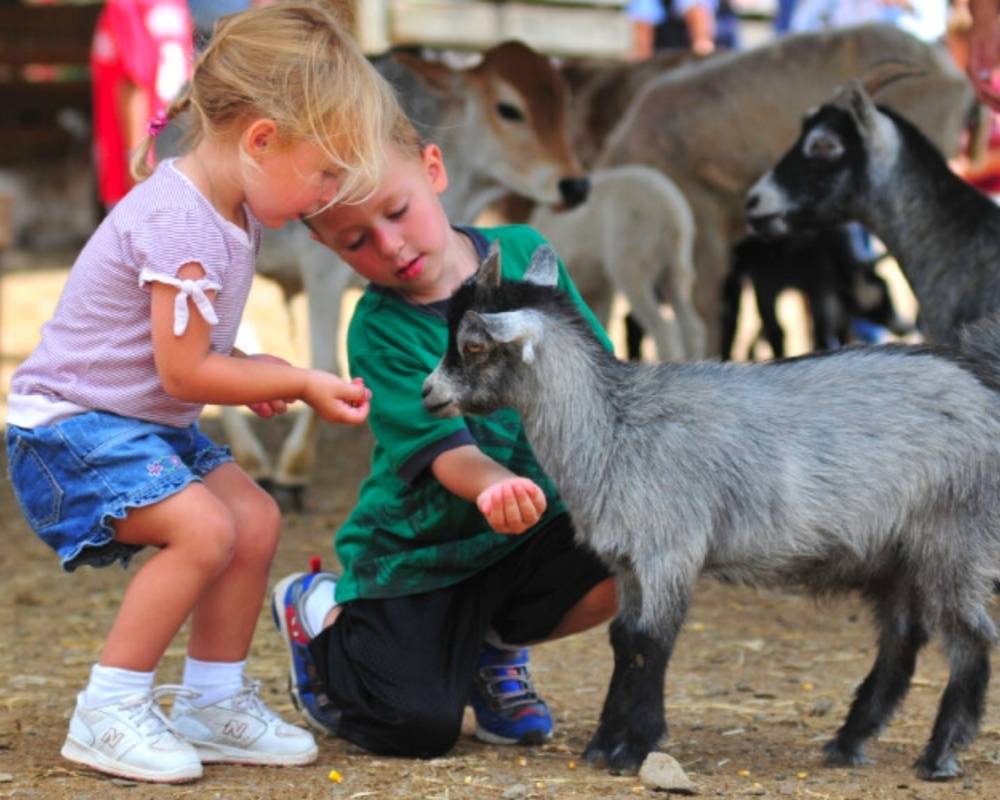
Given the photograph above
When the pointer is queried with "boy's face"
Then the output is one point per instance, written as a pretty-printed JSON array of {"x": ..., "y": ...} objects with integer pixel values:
[{"x": 397, "y": 237}]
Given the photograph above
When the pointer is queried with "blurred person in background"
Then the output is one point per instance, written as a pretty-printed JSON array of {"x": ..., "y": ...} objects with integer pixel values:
[
  {"x": 701, "y": 26},
  {"x": 141, "y": 56}
]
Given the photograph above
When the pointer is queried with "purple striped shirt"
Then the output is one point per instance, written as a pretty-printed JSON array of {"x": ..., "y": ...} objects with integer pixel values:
[{"x": 97, "y": 350}]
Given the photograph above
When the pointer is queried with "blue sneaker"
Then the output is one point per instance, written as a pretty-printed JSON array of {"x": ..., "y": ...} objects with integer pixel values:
[
  {"x": 508, "y": 711},
  {"x": 288, "y": 602}
]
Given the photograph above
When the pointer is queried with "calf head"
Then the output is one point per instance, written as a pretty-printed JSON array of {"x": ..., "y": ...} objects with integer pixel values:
[
  {"x": 516, "y": 115},
  {"x": 495, "y": 330}
]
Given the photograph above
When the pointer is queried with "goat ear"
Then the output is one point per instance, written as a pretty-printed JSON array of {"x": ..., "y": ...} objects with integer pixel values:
[
  {"x": 522, "y": 327},
  {"x": 544, "y": 267},
  {"x": 856, "y": 101},
  {"x": 489, "y": 271}
]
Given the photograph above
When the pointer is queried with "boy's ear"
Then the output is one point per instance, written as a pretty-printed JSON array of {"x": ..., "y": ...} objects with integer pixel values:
[
  {"x": 260, "y": 136},
  {"x": 433, "y": 161}
]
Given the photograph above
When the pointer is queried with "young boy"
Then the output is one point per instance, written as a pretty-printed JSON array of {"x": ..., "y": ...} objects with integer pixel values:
[{"x": 433, "y": 607}]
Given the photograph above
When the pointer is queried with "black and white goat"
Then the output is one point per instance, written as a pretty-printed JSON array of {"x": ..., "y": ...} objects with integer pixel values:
[
  {"x": 858, "y": 161},
  {"x": 868, "y": 469}
]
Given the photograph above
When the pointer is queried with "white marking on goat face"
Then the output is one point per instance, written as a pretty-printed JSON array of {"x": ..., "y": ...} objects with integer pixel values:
[
  {"x": 767, "y": 202},
  {"x": 822, "y": 143}
]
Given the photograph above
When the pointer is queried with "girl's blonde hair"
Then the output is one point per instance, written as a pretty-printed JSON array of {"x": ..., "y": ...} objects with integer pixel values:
[{"x": 295, "y": 63}]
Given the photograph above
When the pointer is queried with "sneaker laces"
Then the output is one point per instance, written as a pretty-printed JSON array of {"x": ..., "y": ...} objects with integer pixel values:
[
  {"x": 507, "y": 686},
  {"x": 248, "y": 699},
  {"x": 143, "y": 710}
]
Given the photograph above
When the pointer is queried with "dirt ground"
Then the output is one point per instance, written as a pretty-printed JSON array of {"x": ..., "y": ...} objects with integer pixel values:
[{"x": 759, "y": 680}]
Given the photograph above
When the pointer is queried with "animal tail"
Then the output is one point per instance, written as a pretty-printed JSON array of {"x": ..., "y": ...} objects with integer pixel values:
[{"x": 979, "y": 346}]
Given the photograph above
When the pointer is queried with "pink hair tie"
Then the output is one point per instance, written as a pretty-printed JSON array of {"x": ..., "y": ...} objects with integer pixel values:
[{"x": 157, "y": 123}]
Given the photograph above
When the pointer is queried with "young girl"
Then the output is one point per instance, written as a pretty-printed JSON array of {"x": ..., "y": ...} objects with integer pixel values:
[{"x": 104, "y": 450}]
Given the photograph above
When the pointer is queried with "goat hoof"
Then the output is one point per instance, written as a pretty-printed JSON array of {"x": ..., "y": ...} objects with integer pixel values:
[
  {"x": 596, "y": 753},
  {"x": 288, "y": 498},
  {"x": 836, "y": 754},
  {"x": 943, "y": 769},
  {"x": 618, "y": 757}
]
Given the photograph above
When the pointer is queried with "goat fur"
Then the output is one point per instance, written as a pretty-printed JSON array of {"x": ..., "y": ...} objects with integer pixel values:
[
  {"x": 861, "y": 469},
  {"x": 857, "y": 161}
]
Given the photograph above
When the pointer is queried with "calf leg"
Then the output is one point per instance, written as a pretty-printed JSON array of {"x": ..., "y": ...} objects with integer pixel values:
[
  {"x": 968, "y": 649},
  {"x": 901, "y": 637}
]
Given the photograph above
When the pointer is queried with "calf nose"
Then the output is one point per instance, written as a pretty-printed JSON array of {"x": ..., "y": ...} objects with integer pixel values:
[
  {"x": 753, "y": 200},
  {"x": 574, "y": 190}
]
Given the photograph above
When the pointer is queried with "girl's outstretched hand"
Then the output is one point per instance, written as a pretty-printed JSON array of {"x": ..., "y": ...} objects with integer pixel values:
[
  {"x": 270, "y": 408},
  {"x": 512, "y": 505},
  {"x": 336, "y": 400}
]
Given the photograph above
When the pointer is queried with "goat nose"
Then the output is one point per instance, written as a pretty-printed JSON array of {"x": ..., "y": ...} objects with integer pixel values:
[
  {"x": 425, "y": 391},
  {"x": 753, "y": 200},
  {"x": 574, "y": 190}
]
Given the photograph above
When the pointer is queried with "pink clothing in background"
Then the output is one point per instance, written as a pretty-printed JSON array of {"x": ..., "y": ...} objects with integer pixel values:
[{"x": 145, "y": 43}]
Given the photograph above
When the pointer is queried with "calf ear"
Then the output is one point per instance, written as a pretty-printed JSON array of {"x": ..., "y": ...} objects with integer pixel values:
[
  {"x": 436, "y": 77},
  {"x": 489, "y": 271},
  {"x": 521, "y": 327},
  {"x": 544, "y": 267}
]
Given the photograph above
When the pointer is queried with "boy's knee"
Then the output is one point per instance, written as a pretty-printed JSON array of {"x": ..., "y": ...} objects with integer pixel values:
[{"x": 427, "y": 733}]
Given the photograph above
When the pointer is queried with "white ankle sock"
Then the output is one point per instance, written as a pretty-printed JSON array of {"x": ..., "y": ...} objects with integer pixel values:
[
  {"x": 113, "y": 684},
  {"x": 213, "y": 680},
  {"x": 317, "y": 605}
]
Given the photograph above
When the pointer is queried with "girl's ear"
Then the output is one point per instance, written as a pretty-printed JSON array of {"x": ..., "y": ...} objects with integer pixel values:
[
  {"x": 260, "y": 136},
  {"x": 433, "y": 162}
]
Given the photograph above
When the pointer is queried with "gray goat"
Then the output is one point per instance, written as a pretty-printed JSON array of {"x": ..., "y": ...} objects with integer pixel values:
[
  {"x": 858, "y": 161},
  {"x": 868, "y": 469}
]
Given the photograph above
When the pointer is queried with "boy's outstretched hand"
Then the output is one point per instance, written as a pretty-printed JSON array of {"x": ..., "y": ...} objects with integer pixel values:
[
  {"x": 512, "y": 505},
  {"x": 336, "y": 400}
]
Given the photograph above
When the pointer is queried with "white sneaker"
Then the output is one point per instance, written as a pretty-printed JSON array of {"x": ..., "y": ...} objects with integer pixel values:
[
  {"x": 130, "y": 739},
  {"x": 242, "y": 730}
]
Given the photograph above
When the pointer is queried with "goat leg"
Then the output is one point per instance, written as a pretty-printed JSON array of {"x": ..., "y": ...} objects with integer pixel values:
[
  {"x": 632, "y": 720},
  {"x": 961, "y": 704},
  {"x": 902, "y": 636}
]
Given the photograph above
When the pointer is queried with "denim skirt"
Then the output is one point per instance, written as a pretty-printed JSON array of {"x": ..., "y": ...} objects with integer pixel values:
[{"x": 72, "y": 478}]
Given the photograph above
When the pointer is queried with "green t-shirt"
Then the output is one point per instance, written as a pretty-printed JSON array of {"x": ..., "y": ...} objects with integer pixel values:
[{"x": 408, "y": 534}]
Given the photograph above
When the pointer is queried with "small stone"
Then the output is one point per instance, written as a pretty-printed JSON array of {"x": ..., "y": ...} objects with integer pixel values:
[
  {"x": 661, "y": 771},
  {"x": 6, "y": 777},
  {"x": 821, "y": 708},
  {"x": 515, "y": 792}
]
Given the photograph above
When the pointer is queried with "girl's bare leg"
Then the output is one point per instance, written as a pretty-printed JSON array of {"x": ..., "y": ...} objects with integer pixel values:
[
  {"x": 226, "y": 614},
  {"x": 195, "y": 533}
]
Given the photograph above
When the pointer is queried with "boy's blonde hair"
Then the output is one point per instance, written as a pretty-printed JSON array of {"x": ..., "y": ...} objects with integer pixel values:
[
  {"x": 404, "y": 136},
  {"x": 295, "y": 63}
]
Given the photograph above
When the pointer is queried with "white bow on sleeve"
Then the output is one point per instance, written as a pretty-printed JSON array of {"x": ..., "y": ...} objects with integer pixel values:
[{"x": 187, "y": 289}]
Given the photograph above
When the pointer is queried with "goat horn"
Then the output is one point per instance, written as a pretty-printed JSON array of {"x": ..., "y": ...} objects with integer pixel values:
[{"x": 884, "y": 73}]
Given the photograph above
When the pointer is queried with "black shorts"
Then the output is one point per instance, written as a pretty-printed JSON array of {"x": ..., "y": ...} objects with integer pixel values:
[{"x": 400, "y": 669}]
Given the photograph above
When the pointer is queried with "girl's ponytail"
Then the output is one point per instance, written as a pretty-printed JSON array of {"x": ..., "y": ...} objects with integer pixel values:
[{"x": 141, "y": 163}]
